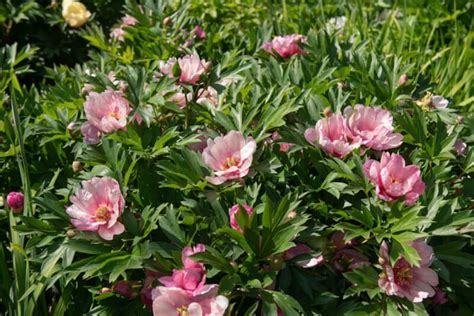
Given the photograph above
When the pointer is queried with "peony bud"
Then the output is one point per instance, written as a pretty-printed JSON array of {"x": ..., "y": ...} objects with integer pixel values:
[
  {"x": 71, "y": 233},
  {"x": 460, "y": 147},
  {"x": 76, "y": 166},
  {"x": 460, "y": 119},
  {"x": 327, "y": 112},
  {"x": 75, "y": 13},
  {"x": 15, "y": 201},
  {"x": 167, "y": 21},
  {"x": 125, "y": 288},
  {"x": 87, "y": 88},
  {"x": 403, "y": 80},
  {"x": 105, "y": 290},
  {"x": 440, "y": 297},
  {"x": 292, "y": 215}
]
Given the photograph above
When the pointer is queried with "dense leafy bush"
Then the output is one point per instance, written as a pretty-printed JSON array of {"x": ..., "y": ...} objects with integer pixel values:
[{"x": 196, "y": 158}]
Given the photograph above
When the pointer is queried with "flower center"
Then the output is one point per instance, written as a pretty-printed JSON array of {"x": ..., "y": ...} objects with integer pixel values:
[
  {"x": 115, "y": 115},
  {"x": 403, "y": 272},
  {"x": 182, "y": 311},
  {"x": 229, "y": 162},
  {"x": 102, "y": 214}
]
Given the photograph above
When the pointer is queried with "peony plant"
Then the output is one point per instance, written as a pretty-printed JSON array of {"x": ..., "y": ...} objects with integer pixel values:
[{"x": 327, "y": 171}]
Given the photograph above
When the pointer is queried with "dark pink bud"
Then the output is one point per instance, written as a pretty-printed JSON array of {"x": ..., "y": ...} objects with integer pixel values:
[
  {"x": 125, "y": 288},
  {"x": 15, "y": 201},
  {"x": 440, "y": 297}
]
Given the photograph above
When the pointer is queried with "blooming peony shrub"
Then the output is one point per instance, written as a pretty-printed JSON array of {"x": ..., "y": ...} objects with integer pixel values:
[{"x": 319, "y": 177}]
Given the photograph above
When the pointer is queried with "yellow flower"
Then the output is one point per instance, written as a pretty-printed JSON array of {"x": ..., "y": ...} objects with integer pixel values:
[
  {"x": 425, "y": 102},
  {"x": 75, "y": 13}
]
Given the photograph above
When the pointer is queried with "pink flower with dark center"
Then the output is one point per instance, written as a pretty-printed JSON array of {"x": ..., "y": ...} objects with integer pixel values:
[
  {"x": 230, "y": 157},
  {"x": 192, "y": 67},
  {"x": 233, "y": 211},
  {"x": 105, "y": 112},
  {"x": 348, "y": 259},
  {"x": 15, "y": 201},
  {"x": 404, "y": 280},
  {"x": 373, "y": 126},
  {"x": 394, "y": 180},
  {"x": 333, "y": 136},
  {"x": 285, "y": 46},
  {"x": 302, "y": 249},
  {"x": 97, "y": 207},
  {"x": 129, "y": 20},
  {"x": 199, "y": 32},
  {"x": 176, "y": 302}
]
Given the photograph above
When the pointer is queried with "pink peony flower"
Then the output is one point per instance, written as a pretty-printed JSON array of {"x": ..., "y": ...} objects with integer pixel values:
[
  {"x": 199, "y": 32},
  {"x": 15, "y": 201},
  {"x": 233, "y": 212},
  {"x": 192, "y": 67},
  {"x": 208, "y": 96},
  {"x": 439, "y": 102},
  {"x": 301, "y": 249},
  {"x": 105, "y": 112},
  {"x": 97, "y": 207},
  {"x": 118, "y": 34},
  {"x": 285, "y": 46},
  {"x": 373, "y": 126},
  {"x": 90, "y": 133},
  {"x": 460, "y": 147},
  {"x": 189, "y": 251},
  {"x": 405, "y": 280},
  {"x": 181, "y": 99},
  {"x": 440, "y": 297},
  {"x": 176, "y": 302},
  {"x": 348, "y": 259},
  {"x": 129, "y": 20},
  {"x": 333, "y": 136},
  {"x": 190, "y": 280},
  {"x": 394, "y": 180},
  {"x": 166, "y": 68},
  {"x": 230, "y": 156}
]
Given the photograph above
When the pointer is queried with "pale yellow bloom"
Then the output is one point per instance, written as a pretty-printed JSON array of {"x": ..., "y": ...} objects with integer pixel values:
[{"x": 75, "y": 13}]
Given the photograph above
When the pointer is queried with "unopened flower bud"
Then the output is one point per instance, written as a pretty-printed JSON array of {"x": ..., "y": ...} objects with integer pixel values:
[
  {"x": 71, "y": 233},
  {"x": 403, "y": 80},
  {"x": 328, "y": 112},
  {"x": 460, "y": 146},
  {"x": 76, "y": 166},
  {"x": 460, "y": 119},
  {"x": 105, "y": 290},
  {"x": 292, "y": 215},
  {"x": 167, "y": 21},
  {"x": 15, "y": 201}
]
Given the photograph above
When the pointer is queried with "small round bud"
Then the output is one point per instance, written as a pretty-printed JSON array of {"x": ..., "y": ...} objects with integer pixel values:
[
  {"x": 403, "y": 80},
  {"x": 76, "y": 166},
  {"x": 292, "y": 215},
  {"x": 105, "y": 290},
  {"x": 460, "y": 119},
  {"x": 71, "y": 233},
  {"x": 328, "y": 112},
  {"x": 15, "y": 201},
  {"x": 167, "y": 21}
]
